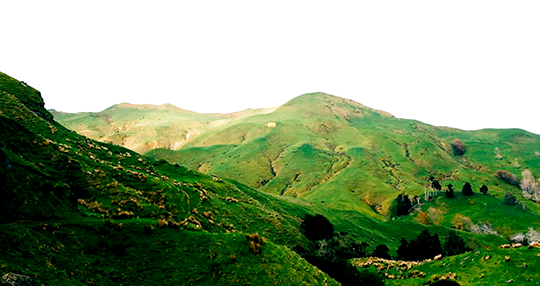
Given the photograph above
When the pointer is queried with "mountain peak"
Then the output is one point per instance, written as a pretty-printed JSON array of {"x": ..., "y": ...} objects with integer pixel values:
[{"x": 320, "y": 103}]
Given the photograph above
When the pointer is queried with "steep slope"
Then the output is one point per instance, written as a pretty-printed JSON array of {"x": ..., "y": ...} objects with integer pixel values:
[{"x": 75, "y": 211}]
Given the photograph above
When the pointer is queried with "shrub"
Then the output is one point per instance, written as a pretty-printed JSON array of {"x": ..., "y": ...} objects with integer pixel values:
[
  {"x": 509, "y": 199},
  {"x": 529, "y": 186},
  {"x": 458, "y": 147},
  {"x": 507, "y": 177},
  {"x": 255, "y": 243},
  {"x": 484, "y": 189},
  {"x": 148, "y": 229}
]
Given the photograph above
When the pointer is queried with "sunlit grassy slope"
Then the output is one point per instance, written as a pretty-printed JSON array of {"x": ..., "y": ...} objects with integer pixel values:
[
  {"x": 333, "y": 151},
  {"x": 145, "y": 127}
]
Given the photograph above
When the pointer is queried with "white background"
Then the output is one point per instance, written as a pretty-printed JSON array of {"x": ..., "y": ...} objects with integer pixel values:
[{"x": 466, "y": 64}]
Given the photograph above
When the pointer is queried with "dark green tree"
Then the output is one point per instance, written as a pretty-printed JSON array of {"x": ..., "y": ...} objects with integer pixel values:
[
  {"x": 436, "y": 185},
  {"x": 454, "y": 244},
  {"x": 381, "y": 251},
  {"x": 467, "y": 189},
  {"x": 317, "y": 227},
  {"x": 403, "y": 250},
  {"x": 401, "y": 205},
  {"x": 450, "y": 192},
  {"x": 484, "y": 189}
]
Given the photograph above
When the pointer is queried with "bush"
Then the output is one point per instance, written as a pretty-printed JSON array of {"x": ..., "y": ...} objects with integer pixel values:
[
  {"x": 507, "y": 177},
  {"x": 317, "y": 227},
  {"x": 484, "y": 189},
  {"x": 255, "y": 243},
  {"x": 401, "y": 205},
  {"x": 458, "y": 147},
  {"x": 509, "y": 199}
]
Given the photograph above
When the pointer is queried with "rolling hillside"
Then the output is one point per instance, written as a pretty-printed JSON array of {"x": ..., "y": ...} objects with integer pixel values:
[
  {"x": 80, "y": 211},
  {"x": 338, "y": 153},
  {"x": 75, "y": 211}
]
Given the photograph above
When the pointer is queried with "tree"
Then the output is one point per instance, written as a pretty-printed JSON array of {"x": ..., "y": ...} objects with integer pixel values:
[
  {"x": 529, "y": 186},
  {"x": 425, "y": 246},
  {"x": 381, "y": 251},
  {"x": 450, "y": 192},
  {"x": 403, "y": 250},
  {"x": 458, "y": 147},
  {"x": 484, "y": 189},
  {"x": 467, "y": 189},
  {"x": 317, "y": 227},
  {"x": 436, "y": 185},
  {"x": 454, "y": 244},
  {"x": 401, "y": 205}
]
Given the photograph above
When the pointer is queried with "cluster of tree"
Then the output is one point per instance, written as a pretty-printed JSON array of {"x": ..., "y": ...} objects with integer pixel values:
[
  {"x": 427, "y": 246},
  {"x": 401, "y": 205},
  {"x": 331, "y": 251}
]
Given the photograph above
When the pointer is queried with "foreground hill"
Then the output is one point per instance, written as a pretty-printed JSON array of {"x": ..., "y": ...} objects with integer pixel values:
[{"x": 76, "y": 211}]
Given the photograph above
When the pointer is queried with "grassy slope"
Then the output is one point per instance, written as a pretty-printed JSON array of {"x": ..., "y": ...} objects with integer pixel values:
[
  {"x": 60, "y": 188},
  {"x": 343, "y": 159},
  {"x": 331, "y": 150},
  {"x": 145, "y": 127},
  {"x": 473, "y": 268}
]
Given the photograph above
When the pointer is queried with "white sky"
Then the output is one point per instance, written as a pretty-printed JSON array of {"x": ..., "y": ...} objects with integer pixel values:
[{"x": 465, "y": 64}]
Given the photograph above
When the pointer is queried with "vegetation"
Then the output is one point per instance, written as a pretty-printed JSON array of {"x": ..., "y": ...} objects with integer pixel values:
[{"x": 224, "y": 198}]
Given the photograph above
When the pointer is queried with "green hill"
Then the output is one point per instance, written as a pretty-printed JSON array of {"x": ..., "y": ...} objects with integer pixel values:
[
  {"x": 145, "y": 127},
  {"x": 76, "y": 211},
  {"x": 80, "y": 211}
]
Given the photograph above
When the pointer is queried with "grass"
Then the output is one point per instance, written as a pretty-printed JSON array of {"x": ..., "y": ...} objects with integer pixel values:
[
  {"x": 481, "y": 267},
  {"x": 326, "y": 155}
]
